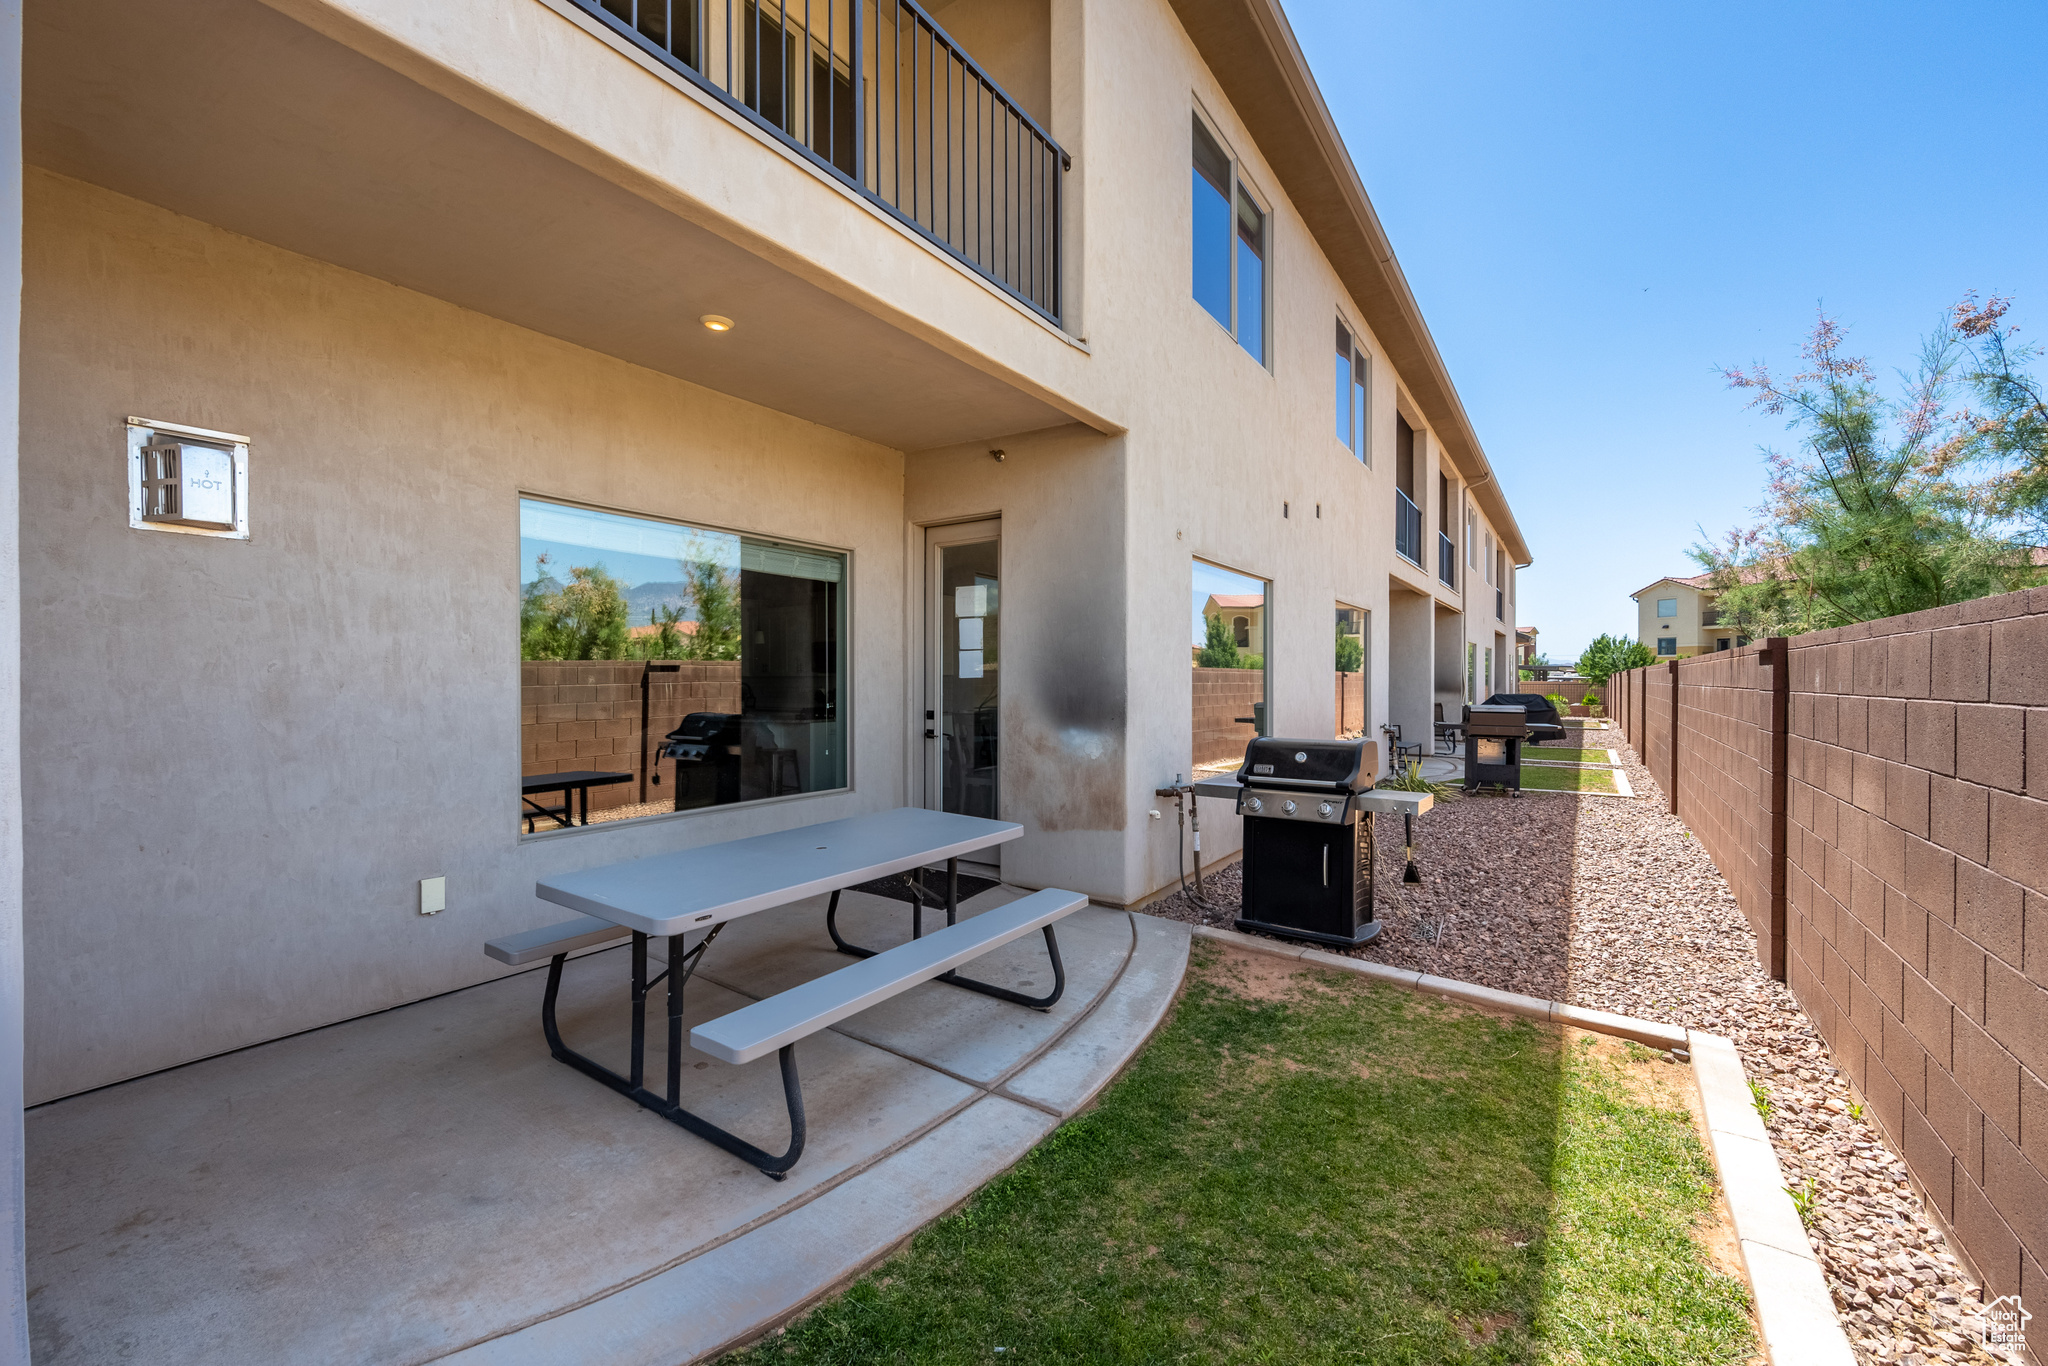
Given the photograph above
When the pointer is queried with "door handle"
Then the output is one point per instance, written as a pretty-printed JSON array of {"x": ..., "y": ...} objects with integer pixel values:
[{"x": 931, "y": 735}]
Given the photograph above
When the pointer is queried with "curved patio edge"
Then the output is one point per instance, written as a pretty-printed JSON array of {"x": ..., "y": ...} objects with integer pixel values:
[{"x": 747, "y": 1286}]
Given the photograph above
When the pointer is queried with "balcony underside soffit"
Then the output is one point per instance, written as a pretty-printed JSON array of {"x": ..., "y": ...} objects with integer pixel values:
[{"x": 232, "y": 113}]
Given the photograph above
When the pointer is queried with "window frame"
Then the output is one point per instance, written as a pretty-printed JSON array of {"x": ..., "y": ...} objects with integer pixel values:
[
  {"x": 1663, "y": 641},
  {"x": 1663, "y": 615},
  {"x": 845, "y": 702},
  {"x": 1263, "y": 204},
  {"x": 1358, "y": 394}
]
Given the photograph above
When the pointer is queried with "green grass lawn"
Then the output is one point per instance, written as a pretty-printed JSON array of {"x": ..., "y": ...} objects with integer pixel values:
[
  {"x": 1308, "y": 1168},
  {"x": 1558, "y": 778},
  {"x": 1562, "y": 754}
]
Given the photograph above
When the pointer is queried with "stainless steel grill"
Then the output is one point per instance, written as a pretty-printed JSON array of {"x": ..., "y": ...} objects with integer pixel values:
[{"x": 1308, "y": 839}]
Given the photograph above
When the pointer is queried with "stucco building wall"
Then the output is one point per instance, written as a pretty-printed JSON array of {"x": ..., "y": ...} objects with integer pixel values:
[{"x": 246, "y": 754}]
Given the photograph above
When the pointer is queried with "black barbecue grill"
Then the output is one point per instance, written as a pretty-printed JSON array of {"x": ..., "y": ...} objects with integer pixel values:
[{"x": 1308, "y": 847}]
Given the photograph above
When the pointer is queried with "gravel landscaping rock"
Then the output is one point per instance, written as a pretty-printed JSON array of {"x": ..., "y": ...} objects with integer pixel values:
[{"x": 1613, "y": 905}]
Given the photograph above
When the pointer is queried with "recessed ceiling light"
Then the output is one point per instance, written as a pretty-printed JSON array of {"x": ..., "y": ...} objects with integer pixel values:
[{"x": 716, "y": 322}]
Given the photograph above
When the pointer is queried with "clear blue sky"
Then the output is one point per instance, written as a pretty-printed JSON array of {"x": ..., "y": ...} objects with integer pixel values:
[{"x": 1599, "y": 204}]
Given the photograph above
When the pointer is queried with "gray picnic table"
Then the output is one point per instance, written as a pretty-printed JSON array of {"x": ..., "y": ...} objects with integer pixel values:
[{"x": 696, "y": 892}]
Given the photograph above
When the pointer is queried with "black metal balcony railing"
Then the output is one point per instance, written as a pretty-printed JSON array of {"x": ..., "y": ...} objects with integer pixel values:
[
  {"x": 876, "y": 92},
  {"x": 1407, "y": 527},
  {"x": 1446, "y": 559},
  {"x": 1710, "y": 618}
]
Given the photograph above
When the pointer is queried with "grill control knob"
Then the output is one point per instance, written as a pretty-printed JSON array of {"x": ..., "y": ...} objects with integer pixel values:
[
  {"x": 1325, "y": 810},
  {"x": 1301, "y": 756},
  {"x": 1288, "y": 807},
  {"x": 1254, "y": 805}
]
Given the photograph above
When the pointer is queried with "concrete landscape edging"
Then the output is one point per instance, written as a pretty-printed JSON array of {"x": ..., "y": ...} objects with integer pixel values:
[{"x": 1795, "y": 1313}]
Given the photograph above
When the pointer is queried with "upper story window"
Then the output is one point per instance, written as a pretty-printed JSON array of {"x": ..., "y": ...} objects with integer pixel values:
[
  {"x": 1230, "y": 246},
  {"x": 1352, "y": 426},
  {"x": 1667, "y": 607}
]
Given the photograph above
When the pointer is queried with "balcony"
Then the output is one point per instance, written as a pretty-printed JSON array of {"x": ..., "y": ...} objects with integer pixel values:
[
  {"x": 1446, "y": 559},
  {"x": 1710, "y": 617},
  {"x": 1407, "y": 528},
  {"x": 875, "y": 92}
]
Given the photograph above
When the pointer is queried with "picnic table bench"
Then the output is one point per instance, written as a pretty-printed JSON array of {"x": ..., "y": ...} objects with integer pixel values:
[{"x": 694, "y": 893}]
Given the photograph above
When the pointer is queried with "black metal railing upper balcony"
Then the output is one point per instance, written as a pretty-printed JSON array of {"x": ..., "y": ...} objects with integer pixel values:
[
  {"x": 1407, "y": 527},
  {"x": 875, "y": 92},
  {"x": 1710, "y": 617},
  {"x": 1446, "y": 559}
]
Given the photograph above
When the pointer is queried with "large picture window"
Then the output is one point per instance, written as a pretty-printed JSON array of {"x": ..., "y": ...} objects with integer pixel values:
[{"x": 666, "y": 667}]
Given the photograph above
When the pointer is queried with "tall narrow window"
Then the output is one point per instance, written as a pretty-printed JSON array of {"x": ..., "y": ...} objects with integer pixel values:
[
  {"x": 1251, "y": 277},
  {"x": 1351, "y": 391},
  {"x": 1230, "y": 233},
  {"x": 1344, "y": 418},
  {"x": 1212, "y": 226}
]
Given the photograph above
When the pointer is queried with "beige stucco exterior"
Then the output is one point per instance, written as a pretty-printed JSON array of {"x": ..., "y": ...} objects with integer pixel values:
[{"x": 432, "y": 257}]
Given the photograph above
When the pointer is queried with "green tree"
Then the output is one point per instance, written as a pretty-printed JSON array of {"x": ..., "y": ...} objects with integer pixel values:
[
  {"x": 582, "y": 619},
  {"x": 715, "y": 594},
  {"x": 1610, "y": 655},
  {"x": 2008, "y": 434},
  {"x": 1350, "y": 651},
  {"x": 1873, "y": 516},
  {"x": 1219, "y": 651}
]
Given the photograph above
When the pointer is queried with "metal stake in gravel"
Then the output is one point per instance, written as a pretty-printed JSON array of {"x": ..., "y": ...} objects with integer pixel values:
[{"x": 1411, "y": 873}]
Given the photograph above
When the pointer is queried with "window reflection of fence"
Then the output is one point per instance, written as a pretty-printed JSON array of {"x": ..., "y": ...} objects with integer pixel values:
[
  {"x": 876, "y": 90},
  {"x": 609, "y": 714}
]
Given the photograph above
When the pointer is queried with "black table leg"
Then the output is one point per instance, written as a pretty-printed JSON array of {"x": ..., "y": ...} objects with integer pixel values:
[
  {"x": 1052, "y": 944},
  {"x": 680, "y": 966}
]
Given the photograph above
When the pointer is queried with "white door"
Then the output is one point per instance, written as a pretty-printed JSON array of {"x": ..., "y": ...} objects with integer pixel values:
[{"x": 963, "y": 663}]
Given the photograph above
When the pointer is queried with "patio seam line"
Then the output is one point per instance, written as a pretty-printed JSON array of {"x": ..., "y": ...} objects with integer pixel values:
[
  {"x": 592, "y": 951},
  {"x": 850, "y": 1173}
]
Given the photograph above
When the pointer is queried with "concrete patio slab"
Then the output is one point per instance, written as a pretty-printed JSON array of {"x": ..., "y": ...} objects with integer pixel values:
[
  {"x": 1068, "y": 1077},
  {"x": 428, "y": 1181},
  {"x": 742, "y": 1288}
]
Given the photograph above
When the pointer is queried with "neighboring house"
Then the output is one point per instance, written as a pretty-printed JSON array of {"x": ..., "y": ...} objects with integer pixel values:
[
  {"x": 1244, "y": 614},
  {"x": 684, "y": 628},
  {"x": 462, "y": 275},
  {"x": 1675, "y": 618}
]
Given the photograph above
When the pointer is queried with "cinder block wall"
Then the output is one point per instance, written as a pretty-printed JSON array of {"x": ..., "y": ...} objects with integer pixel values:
[
  {"x": 1913, "y": 878},
  {"x": 586, "y": 714},
  {"x": 1655, "y": 746},
  {"x": 1221, "y": 696},
  {"x": 1918, "y": 896},
  {"x": 1730, "y": 721}
]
